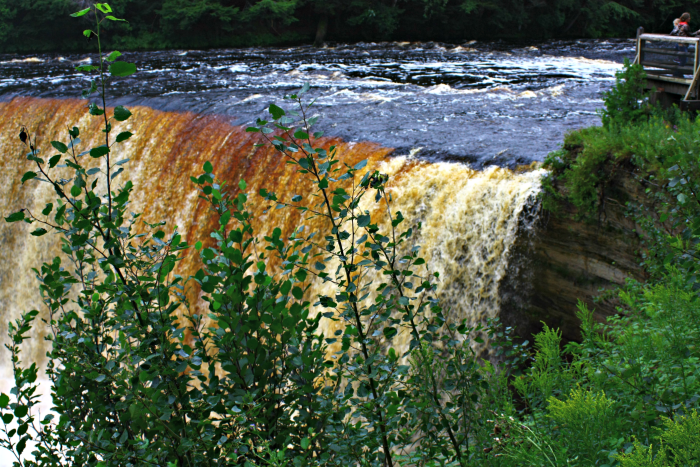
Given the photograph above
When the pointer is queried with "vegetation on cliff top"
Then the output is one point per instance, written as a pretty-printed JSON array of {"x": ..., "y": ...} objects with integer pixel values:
[
  {"x": 31, "y": 26},
  {"x": 250, "y": 381}
]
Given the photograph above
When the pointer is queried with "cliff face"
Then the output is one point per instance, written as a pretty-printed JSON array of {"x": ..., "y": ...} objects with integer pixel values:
[{"x": 560, "y": 261}]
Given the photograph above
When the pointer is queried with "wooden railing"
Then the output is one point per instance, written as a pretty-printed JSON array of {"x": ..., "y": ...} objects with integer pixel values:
[{"x": 670, "y": 59}]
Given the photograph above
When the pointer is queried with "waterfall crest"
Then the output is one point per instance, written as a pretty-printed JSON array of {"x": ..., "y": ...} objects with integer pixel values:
[{"x": 470, "y": 219}]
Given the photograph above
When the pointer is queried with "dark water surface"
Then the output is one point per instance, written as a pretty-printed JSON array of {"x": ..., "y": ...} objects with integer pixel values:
[{"x": 476, "y": 102}]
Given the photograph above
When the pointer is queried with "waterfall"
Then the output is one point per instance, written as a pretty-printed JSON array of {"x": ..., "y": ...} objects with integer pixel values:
[{"x": 470, "y": 219}]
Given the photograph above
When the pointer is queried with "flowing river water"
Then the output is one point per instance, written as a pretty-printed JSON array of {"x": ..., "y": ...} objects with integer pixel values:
[{"x": 456, "y": 127}]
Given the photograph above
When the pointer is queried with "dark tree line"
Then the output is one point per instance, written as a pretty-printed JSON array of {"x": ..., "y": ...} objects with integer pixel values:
[{"x": 32, "y": 25}]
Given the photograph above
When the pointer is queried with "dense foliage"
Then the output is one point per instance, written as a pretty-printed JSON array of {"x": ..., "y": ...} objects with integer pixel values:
[
  {"x": 139, "y": 378},
  {"x": 590, "y": 159},
  {"x": 30, "y": 25}
]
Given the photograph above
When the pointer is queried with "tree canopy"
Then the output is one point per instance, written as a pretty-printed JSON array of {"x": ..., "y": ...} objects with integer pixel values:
[{"x": 30, "y": 26}]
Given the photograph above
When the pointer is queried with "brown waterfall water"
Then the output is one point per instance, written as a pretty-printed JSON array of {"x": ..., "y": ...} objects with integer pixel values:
[{"x": 470, "y": 218}]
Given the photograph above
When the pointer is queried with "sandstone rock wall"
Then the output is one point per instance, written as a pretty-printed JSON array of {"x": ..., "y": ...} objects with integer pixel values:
[{"x": 563, "y": 260}]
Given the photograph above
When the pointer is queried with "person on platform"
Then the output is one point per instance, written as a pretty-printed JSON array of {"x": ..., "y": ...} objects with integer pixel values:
[
  {"x": 681, "y": 28},
  {"x": 674, "y": 32}
]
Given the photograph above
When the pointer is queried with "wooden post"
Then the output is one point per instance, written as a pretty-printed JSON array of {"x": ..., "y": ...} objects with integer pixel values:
[
  {"x": 696, "y": 75},
  {"x": 638, "y": 58},
  {"x": 697, "y": 66}
]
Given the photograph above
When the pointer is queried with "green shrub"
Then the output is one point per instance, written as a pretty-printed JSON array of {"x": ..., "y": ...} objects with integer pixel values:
[
  {"x": 581, "y": 173},
  {"x": 548, "y": 374},
  {"x": 678, "y": 446},
  {"x": 251, "y": 382},
  {"x": 587, "y": 422},
  {"x": 625, "y": 102}
]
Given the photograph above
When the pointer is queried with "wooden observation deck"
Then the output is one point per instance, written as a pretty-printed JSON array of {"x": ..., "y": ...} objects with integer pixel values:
[{"x": 672, "y": 68}]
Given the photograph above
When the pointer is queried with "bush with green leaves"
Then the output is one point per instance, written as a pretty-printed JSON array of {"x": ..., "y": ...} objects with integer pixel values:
[
  {"x": 139, "y": 378},
  {"x": 645, "y": 360},
  {"x": 678, "y": 445},
  {"x": 625, "y": 102}
]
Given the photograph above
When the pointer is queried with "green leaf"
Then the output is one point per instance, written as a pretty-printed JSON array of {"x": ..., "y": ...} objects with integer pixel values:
[
  {"x": 389, "y": 332},
  {"x": 60, "y": 214},
  {"x": 22, "y": 444},
  {"x": 47, "y": 210},
  {"x": 301, "y": 134},
  {"x": 99, "y": 151},
  {"x": 252, "y": 129},
  {"x": 60, "y": 147},
  {"x": 54, "y": 160},
  {"x": 75, "y": 191},
  {"x": 225, "y": 218},
  {"x": 83, "y": 68},
  {"x": 15, "y": 217},
  {"x": 123, "y": 136},
  {"x": 87, "y": 33},
  {"x": 286, "y": 287},
  {"x": 363, "y": 220},
  {"x": 28, "y": 176},
  {"x": 81, "y": 13},
  {"x": 21, "y": 411},
  {"x": 305, "y": 443},
  {"x": 112, "y": 18},
  {"x": 100, "y": 378},
  {"x": 7, "y": 417},
  {"x": 242, "y": 185},
  {"x": 297, "y": 293},
  {"x": 276, "y": 112},
  {"x": 115, "y": 174},
  {"x": 113, "y": 56},
  {"x": 296, "y": 198},
  {"x": 198, "y": 246},
  {"x": 39, "y": 232},
  {"x": 208, "y": 168},
  {"x": 121, "y": 113},
  {"x": 4, "y": 400},
  {"x": 103, "y": 7},
  {"x": 95, "y": 109},
  {"x": 360, "y": 165},
  {"x": 122, "y": 69}
]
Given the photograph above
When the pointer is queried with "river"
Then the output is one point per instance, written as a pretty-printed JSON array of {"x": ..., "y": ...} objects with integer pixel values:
[{"x": 477, "y": 102}]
